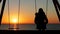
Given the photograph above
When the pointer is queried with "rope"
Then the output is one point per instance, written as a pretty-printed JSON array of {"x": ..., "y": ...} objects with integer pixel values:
[
  {"x": 18, "y": 12},
  {"x": 8, "y": 14},
  {"x": 46, "y": 6},
  {"x": 35, "y": 6}
]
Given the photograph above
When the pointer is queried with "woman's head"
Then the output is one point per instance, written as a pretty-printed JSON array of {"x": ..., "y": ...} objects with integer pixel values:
[{"x": 40, "y": 10}]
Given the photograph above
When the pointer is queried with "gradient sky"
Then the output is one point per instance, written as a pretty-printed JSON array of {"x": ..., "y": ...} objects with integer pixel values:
[{"x": 27, "y": 11}]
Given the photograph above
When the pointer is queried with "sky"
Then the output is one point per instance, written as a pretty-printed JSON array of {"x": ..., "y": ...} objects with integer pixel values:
[{"x": 27, "y": 11}]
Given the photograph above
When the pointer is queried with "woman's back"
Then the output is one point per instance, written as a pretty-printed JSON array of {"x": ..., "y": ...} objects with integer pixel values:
[{"x": 39, "y": 19}]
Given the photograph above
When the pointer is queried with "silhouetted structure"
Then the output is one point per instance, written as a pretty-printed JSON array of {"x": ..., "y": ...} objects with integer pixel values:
[
  {"x": 0, "y": 1},
  {"x": 41, "y": 20},
  {"x": 57, "y": 7},
  {"x": 2, "y": 10}
]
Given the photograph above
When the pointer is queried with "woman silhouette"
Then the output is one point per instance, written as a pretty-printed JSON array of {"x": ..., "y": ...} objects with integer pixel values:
[{"x": 41, "y": 19}]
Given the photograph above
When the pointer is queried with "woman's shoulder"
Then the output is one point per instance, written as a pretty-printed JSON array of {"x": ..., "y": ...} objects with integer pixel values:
[{"x": 36, "y": 13}]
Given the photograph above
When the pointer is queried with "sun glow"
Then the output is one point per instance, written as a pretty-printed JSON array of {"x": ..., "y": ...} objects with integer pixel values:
[{"x": 14, "y": 20}]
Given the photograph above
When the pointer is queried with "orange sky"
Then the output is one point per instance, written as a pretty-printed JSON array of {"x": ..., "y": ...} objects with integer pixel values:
[{"x": 27, "y": 11}]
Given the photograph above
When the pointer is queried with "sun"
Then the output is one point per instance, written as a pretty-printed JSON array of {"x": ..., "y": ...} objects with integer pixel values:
[{"x": 14, "y": 20}]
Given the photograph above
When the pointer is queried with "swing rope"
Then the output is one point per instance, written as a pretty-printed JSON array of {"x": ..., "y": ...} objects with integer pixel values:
[
  {"x": 46, "y": 6},
  {"x": 35, "y": 6},
  {"x": 18, "y": 12},
  {"x": 8, "y": 14}
]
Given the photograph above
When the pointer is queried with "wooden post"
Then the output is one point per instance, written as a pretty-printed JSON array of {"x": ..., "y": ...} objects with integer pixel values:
[
  {"x": 57, "y": 7},
  {"x": 2, "y": 10}
]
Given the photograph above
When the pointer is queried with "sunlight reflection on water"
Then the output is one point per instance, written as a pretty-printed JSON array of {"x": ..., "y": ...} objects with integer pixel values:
[
  {"x": 28, "y": 27},
  {"x": 13, "y": 27}
]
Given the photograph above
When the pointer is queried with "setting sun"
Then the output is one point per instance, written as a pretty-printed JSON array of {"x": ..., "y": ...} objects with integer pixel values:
[{"x": 14, "y": 20}]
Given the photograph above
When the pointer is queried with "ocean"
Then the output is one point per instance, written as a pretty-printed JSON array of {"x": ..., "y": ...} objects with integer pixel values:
[{"x": 29, "y": 27}]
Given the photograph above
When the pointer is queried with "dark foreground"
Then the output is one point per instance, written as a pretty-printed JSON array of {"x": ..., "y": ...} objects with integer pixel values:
[{"x": 28, "y": 31}]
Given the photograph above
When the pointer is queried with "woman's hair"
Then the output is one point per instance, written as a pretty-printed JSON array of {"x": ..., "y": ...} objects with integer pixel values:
[{"x": 40, "y": 10}]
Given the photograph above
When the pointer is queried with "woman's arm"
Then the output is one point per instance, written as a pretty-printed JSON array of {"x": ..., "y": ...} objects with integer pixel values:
[{"x": 46, "y": 20}]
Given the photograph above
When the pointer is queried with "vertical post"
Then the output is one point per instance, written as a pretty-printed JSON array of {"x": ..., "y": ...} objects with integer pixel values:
[
  {"x": 0, "y": 16},
  {"x": 0, "y": 1},
  {"x": 57, "y": 8},
  {"x": 2, "y": 10}
]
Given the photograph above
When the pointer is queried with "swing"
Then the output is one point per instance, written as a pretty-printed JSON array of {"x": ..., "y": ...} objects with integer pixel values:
[
  {"x": 17, "y": 25},
  {"x": 18, "y": 13}
]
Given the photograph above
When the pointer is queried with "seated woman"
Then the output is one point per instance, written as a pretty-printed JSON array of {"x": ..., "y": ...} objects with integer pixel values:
[{"x": 41, "y": 20}]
